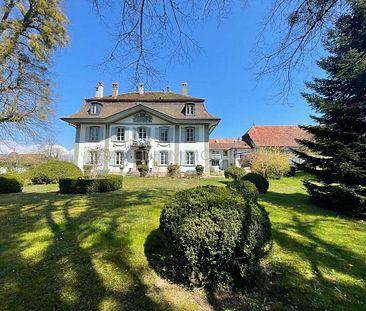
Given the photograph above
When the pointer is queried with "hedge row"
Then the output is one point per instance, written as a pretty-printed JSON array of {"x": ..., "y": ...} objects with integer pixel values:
[
  {"x": 84, "y": 185},
  {"x": 10, "y": 184}
]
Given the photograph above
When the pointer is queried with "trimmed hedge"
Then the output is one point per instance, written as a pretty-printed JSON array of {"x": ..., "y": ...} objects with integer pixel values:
[
  {"x": 84, "y": 185},
  {"x": 199, "y": 169},
  {"x": 143, "y": 169},
  {"x": 260, "y": 182},
  {"x": 234, "y": 172},
  {"x": 245, "y": 187},
  {"x": 215, "y": 235},
  {"x": 10, "y": 184},
  {"x": 50, "y": 172}
]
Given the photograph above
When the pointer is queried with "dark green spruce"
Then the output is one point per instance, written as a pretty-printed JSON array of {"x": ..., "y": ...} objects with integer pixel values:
[{"x": 336, "y": 153}]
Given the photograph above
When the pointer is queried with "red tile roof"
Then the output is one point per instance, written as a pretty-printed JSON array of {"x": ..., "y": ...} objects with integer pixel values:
[
  {"x": 227, "y": 144},
  {"x": 275, "y": 135}
]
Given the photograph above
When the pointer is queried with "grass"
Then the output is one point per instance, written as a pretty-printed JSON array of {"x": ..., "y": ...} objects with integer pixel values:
[{"x": 86, "y": 252}]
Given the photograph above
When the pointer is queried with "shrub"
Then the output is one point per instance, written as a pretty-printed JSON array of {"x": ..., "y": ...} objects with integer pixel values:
[
  {"x": 143, "y": 169},
  {"x": 270, "y": 163},
  {"x": 291, "y": 172},
  {"x": 199, "y": 169},
  {"x": 216, "y": 235},
  {"x": 234, "y": 172},
  {"x": 245, "y": 187},
  {"x": 10, "y": 184},
  {"x": 260, "y": 182},
  {"x": 50, "y": 172},
  {"x": 173, "y": 170},
  {"x": 88, "y": 170},
  {"x": 87, "y": 185}
]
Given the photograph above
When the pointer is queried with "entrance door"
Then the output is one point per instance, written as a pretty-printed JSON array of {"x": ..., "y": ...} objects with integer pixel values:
[
  {"x": 141, "y": 156},
  {"x": 224, "y": 164}
]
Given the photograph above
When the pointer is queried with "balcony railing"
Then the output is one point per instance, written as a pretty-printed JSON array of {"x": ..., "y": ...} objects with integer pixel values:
[{"x": 141, "y": 142}]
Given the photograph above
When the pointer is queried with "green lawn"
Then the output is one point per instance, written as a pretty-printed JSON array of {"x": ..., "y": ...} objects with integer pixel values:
[{"x": 86, "y": 252}]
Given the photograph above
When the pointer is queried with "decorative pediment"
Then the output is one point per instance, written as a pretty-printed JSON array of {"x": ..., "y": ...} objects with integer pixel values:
[{"x": 142, "y": 117}]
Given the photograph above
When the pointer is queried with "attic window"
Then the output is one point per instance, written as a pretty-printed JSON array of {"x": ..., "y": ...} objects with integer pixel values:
[
  {"x": 189, "y": 109},
  {"x": 95, "y": 108}
]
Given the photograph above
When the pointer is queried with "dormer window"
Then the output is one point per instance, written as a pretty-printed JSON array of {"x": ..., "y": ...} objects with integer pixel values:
[
  {"x": 189, "y": 109},
  {"x": 95, "y": 108}
]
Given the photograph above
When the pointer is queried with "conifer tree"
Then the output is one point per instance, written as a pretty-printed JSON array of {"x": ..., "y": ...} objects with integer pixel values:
[{"x": 336, "y": 154}]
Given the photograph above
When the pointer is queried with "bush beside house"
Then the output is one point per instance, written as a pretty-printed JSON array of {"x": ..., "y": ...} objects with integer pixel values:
[
  {"x": 10, "y": 184},
  {"x": 259, "y": 181},
  {"x": 51, "y": 171},
  {"x": 234, "y": 172}
]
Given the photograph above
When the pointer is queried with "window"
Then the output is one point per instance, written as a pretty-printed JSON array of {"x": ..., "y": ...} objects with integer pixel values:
[
  {"x": 93, "y": 157},
  {"x": 94, "y": 133},
  {"x": 190, "y": 109},
  {"x": 119, "y": 158},
  {"x": 94, "y": 108},
  {"x": 164, "y": 134},
  {"x": 215, "y": 152},
  {"x": 190, "y": 134},
  {"x": 190, "y": 158},
  {"x": 225, "y": 153},
  {"x": 142, "y": 133},
  {"x": 163, "y": 157},
  {"x": 215, "y": 162},
  {"x": 120, "y": 134}
]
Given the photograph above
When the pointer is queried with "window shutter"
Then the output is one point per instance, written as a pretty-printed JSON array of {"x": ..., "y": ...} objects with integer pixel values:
[
  {"x": 183, "y": 134},
  {"x": 135, "y": 133},
  {"x": 170, "y": 157},
  {"x": 196, "y": 134},
  {"x": 125, "y": 155},
  {"x": 157, "y": 132},
  {"x": 112, "y": 157},
  {"x": 100, "y": 133},
  {"x": 148, "y": 132},
  {"x": 87, "y": 133},
  {"x": 170, "y": 134},
  {"x": 196, "y": 158},
  {"x": 114, "y": 133},
  {"x": 157, "y": 157},
  {"x": 181, "y": 158},
  {"x": 86, "y": 157}
]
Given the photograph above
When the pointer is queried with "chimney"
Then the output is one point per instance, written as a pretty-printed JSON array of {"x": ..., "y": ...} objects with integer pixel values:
[
  {"x": 115, "y": 89},
  {"x": 184, "y": 88},
  {"x": 99, "y": 90},
  {"x": 141, "y": 89}
]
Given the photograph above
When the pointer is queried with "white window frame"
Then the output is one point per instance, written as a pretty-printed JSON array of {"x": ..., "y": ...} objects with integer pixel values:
[
  {"x": 164, "y": 155},
  {"x": 120, "y": 133},
  {"x": 225, "y": 153},
  {"x": 142, "y": 133},
  {"x": 94, "y": 132},
  {"x": 190, "y": 158},
  {"x": 164, "y": 131},
  {"x": 215, "y": 160},
  {"x": 93, "y": 157},
  {"x": 94, "y": 109},
  {"x": 190, "y": 132},
  {"x": 189, "y": 109},
  {"x": 118, "y": 159}
]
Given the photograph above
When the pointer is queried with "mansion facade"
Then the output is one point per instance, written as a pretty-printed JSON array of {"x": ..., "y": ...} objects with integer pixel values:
[{"x": 117, "y": 133}]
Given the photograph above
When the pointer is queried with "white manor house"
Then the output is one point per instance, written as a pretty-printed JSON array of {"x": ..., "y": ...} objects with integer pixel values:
[{"x": 116, "y": 133}]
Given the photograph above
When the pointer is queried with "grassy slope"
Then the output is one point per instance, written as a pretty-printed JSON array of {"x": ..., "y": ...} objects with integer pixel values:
[{"x": 86, "y": 252}]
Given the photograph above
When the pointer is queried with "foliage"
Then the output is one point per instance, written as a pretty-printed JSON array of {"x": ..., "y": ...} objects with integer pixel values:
[
  {"x": 83, "y": 185},
  {"x": 245, "y": 188},
  {"x": 234, "y": 172},
  {"x": 271, "y": 163},
  {"x": 10, "y": 183},
  {"x": 50, "y": 172},
  {"x": 29, "y": 32},
  {"x": 88, "y": 170},
  {"x": 173, "y": 170},
  {"x": 143, "y": 169},
  {"x": 260, "y": 182},
  {"x": 218, "y": 235},
  {"x": 291, "y": 172},
  {"x": 337, "y": 150},
  {"x": 199, "y": 169}
]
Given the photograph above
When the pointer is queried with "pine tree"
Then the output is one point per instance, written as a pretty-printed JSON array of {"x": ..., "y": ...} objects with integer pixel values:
[{"x": 336, "y": 154}]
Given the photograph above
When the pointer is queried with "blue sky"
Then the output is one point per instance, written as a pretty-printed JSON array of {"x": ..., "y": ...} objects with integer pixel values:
[{"x": 222, "y": 72}]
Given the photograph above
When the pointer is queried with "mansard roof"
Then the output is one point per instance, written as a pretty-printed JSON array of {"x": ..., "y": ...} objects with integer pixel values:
[{"x": 169, "y": 104}]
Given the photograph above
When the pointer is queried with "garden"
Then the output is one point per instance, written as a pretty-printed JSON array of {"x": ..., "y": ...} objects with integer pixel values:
[{"x": 96, "y": 251}]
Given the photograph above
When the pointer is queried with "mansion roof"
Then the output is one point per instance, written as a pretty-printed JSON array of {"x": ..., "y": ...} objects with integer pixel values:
[
  {"x": 166, "y": 103},
  {"x": 274, "y": 136},
  {"x": 227, "y": 144}
]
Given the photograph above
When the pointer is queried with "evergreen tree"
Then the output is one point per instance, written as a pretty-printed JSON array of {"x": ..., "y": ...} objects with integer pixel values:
[{"x": 336, "y": 154}]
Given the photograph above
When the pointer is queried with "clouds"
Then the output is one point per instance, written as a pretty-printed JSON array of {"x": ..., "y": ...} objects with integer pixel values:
[{"x": 52, "y": 150}]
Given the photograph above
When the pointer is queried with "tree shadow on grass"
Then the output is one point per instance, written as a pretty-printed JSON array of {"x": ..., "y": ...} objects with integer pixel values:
[{"x": 84, "y": 262}]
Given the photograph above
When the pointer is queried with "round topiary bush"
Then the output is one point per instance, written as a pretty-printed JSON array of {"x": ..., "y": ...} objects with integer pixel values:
[
  {"x": 50, "y": 172},
  {"x": 10, "y": 184},
  {"x": 260, "y": 182},
  {"x": 215, "y": 235},
  {"x": 143, "y": 169},
  {"x": 234, "y": 172},
  {"x": 245, "y": 187},
  {"x": 199, "y": 169}
]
